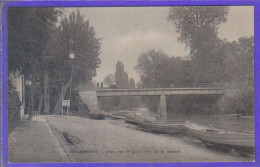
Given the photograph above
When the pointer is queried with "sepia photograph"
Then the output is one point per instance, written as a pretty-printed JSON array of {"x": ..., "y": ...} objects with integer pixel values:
[{"x": 131, "y": 84}]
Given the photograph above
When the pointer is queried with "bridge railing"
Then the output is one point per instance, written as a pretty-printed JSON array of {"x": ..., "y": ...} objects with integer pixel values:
[
  {"x": 215, "y": 85},
  {"x": 191, "y": 85},
  {"x": 158, "y": 89}
]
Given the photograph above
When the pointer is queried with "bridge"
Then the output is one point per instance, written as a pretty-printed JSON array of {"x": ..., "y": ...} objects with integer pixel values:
[
  {"x": 157, "y": 91},
  {"x": 161, "y": 94}
]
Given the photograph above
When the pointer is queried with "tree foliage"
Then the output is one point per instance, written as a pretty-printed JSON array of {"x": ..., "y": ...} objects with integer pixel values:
[
  {"x": 85, "y": 44},
  {"x": 197, "y": 28},
  {"x": 37, "y": 46},
  {"x": 239, "y": 74},
  {"x": 75, "y": 34},
  {"x": 121, "y": 77},
  {"x": 156, "y": 69},
  {"x": 197, "y": 24},
  {"x": 110, "y": 80},
  {"x": 14, "y": 106},
  {"x": 28, "y": 31}
]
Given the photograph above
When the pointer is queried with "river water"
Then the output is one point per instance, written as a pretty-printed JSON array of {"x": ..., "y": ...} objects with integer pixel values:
[{"x": 224, "y": 121}]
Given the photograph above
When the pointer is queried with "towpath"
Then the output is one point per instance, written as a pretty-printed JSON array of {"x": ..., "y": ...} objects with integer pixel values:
[{"x": 117, "y": 141}]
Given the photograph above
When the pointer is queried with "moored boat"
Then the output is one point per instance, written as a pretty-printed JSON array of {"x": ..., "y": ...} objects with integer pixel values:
[
  {"x": 162, "y": 128},
  {"x": 244, "y": 141}
]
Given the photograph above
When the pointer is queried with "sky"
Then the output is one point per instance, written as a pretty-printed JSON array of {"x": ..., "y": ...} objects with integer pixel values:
[{"x": 127, "y": 32}]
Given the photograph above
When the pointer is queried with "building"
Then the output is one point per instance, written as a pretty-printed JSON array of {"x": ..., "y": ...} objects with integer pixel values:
[{"x": 19, "y": 84}]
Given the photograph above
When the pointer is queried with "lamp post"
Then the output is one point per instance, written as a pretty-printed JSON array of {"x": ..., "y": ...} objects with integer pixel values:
[{"x": 71, "y": 56}]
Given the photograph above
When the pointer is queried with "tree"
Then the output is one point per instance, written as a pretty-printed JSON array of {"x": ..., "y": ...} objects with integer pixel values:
[
  {"x": 121, "y": 77},
  {"x": 197, "y": 23},
  {"x": 239, "y": 73},
  {"x": 110, "y": 80},
  {"x": 239, "y": 61},
  {"x": 74, "y": 35},
  {"x": 39, "y": 50},
  {"x": 156, "y": 69},
  {"x": 197, "y": 28},
  {"x": 150, "y": 66},
  {"x": 28, "y": 31}
]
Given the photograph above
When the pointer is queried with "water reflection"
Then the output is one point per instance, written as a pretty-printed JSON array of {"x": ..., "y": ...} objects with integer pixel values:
[{"x": 230, "y": 122}]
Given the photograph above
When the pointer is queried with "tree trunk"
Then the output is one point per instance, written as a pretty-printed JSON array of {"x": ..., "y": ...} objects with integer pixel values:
[
  {"x": 62, "y": 94},
  {"x": 46, "y": 94},
  {"x": 40, "y": 105},
  {"x": 32, "y": 97},
  {"x": 29, "y": 105}
]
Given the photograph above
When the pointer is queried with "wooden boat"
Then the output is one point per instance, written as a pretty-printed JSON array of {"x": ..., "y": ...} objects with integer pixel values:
[
  {"x": 134, "y": 119},
  {"x": 224, "y": 138},
  {"x": 162, "y": 128}
]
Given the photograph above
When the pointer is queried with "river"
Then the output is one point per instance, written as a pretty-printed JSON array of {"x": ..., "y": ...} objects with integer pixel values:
[{"x": 223, "y": 121}]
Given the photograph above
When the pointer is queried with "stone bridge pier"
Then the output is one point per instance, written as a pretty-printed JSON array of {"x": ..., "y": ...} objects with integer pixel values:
[{"x": 161, "y": 105}]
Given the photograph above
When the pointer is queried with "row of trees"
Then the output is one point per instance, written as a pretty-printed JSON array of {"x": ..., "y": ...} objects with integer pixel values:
[
  {"x": 38, "y": 48},
  {"x": 212, "y": 60}
]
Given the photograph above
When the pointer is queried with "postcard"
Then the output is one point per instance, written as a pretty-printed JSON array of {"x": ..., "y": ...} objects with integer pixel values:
[{"x": 93, "y": 83}]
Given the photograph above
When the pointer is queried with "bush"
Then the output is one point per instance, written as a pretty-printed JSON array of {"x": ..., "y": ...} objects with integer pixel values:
[
  {"x": 14, "y": 106},
  {"x": 78, "y": 107},
  {"x": 240, "y": 103}
]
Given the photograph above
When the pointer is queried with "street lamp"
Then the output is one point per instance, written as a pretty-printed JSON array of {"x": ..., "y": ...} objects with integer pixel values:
[{"x": 71, "y": 56}]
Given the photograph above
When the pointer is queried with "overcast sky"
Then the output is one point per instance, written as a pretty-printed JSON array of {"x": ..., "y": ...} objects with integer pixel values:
[{"x": 126, "y": 32}]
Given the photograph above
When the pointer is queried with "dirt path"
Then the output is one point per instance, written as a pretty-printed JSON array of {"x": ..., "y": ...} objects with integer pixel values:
[{"x": 116, "y": 141}]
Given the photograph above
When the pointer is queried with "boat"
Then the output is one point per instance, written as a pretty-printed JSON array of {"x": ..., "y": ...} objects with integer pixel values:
[
  {"x": 162, "y": 128},
  {"x": 243, "y": 141},
  {"x": 134, "y": 119}
]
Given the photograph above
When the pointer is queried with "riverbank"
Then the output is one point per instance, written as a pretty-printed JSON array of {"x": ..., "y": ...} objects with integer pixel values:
[
  {"x": 117, "y": 141},
  {"x": 88, "y": 140}
]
